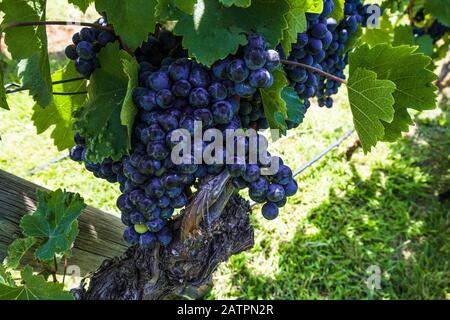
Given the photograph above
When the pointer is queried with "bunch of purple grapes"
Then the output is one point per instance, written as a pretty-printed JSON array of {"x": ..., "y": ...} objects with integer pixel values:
[
  {"x": 322, "y": 46},
  {"x": 86, "y": 45},
  {"x": 174, "y": 92}
]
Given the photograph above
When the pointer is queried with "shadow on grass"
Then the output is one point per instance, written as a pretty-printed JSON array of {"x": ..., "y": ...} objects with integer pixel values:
[{"x": 393, "y": 220}]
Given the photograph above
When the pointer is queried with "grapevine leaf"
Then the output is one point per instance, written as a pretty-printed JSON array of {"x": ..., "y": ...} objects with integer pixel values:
[
  {"x": 295, "y": 110},
  {"x": 265, "y": 17},
  {"x": 237, "y": 3},
  {"x": 54, "y": 223},
  {"x": 34, "y": 287},
  {"x": 6, "y": 277},
  {"x": 83, "y": 5},
  {"x": 24, "y": 42},
  {"x": 29, "y": 44},
  {"x": 35, "y": 75},
  {"x": 167, "y": 10},
  {"x": 403, "y": 35},
  {"x": 3, "y": 102},
  {"x": 186, "y": 6},
  {"x": 275, "y": 107},
  {"x": 17, "y": 250},
  {"x": 60, "y": 112},
  {"x": 338, "y": 11},
  {"x": 99, "y": 120},
  {"x": 296, "y": 21},
  {"x": 439, "y": 9},
  {"x": 129, "y": 110},
  {"x": 411, "y": 74},
  {"x": 371, "y": 101},
  {"x": 312, "y": 6},
  {"x": 133, "y": 20}
]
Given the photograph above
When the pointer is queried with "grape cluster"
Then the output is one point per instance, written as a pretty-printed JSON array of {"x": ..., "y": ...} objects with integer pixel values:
[
  {"x": 107, "y": 169},
  {"x": 322, "y": 46},
  {"x": 174, "y": 92},
  {"x": 86, "y": 45},
  {"x": 436, "y": 31}
]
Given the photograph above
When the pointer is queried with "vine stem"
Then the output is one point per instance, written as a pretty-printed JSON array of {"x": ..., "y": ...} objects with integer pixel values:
[
  {"x": 53, "y": 83},
  {"x": 55, "y": 23},
  {"x": 314, "y": 69}
]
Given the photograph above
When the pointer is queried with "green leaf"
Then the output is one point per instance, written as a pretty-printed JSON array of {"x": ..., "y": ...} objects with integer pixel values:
[
  {"x": 60, "y": 113},
  {"x": 34, "y": 287},
  {"x": 186, "y": 6},
  {"x": 439, "y": 9},
  {"x": 295, "y": 109},
  {"x": 338, "y": 11},
  {"x": 266, "y": 17},
  {"x": 133, "y": 20},
  {"x": 99, "y": 120},
  {"x": 17, "y": 250},
  {"x": 3, "y": 102},
  {"x": 403, "y": 35},
  {"x": 237, "y": 3},
  {"x": 129, "y": 110},
  {"x": 6, "y": 277},
  {"x": 296, "y": 21},
  {"x": 54, "y": 223},
  {"x": 29, "y": 44},
  {"x": 411, "y": 74},
  {"x": 83, "y": 5},
  {"x": 24, "y": 42},
  {"x": 275, "y": 107},
  {"x": 371, "y": 102}
]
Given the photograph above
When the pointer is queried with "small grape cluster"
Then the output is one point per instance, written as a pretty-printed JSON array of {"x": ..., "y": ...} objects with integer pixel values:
[
  {"x": 86, "y": 45},
  {"x": 322, "y": 46},
  {"x": 107, "y": 169}
]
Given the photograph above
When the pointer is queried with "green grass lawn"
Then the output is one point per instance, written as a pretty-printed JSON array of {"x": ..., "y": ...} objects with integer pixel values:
[{"x": 380, "y": 209}]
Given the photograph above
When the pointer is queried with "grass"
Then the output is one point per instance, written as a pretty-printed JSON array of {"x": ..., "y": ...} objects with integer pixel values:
[{"x": 380, "y": 209}]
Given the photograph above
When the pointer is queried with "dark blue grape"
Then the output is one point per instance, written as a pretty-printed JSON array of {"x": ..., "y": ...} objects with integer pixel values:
[
  {"x": 165, "y": 236},
  {"x": 155, "y": 225},
  {"x": 71, "y": 52},
  {"x": 179, "y": 202},
  {"x": 76, "y": 153},
  {"x": 205, "y": 116},
  {"x": 85, "y": 50},
  {"x": 136, "y": 217},
  {"x": 255, "y": 59},
  {"x": 217, "y": 91},
  {"x": 222, "y": 112},
  {"x": 131, "y": 236},
  {"x": 237, "y": 71},
  {"x": 157, "y": 151},
  {"x": 165, "y": 98},
  {"x": 181, "y": 88},
  {"x": 179, "y": 70},
  {"x": 84, "y": 67},
  {"x": 199, "y": 77},
  {"x": 147, "y": 240},
  {"x": 88, "y": 34},
  {"x": 261, "y": 78},
  {"x": 270, "y": 211},
  {"x": 158, "y": 81},
  {"x": 275, "y": 192},
  {"x": 199, "y": 98},
  {"x": 244, "y": 89},
  {"x": 272, "y": 60},
  {"x": 166, "y": 213},
  {"x": 105, "y": 37},
  {"x": 252, "y": 173}
]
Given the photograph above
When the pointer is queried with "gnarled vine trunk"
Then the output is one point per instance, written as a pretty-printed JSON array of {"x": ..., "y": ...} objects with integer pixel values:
[{"x": 185, "y": 267}]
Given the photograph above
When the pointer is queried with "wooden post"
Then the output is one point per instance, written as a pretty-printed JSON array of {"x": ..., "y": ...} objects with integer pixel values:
[{"x": 100, "y": 234}]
